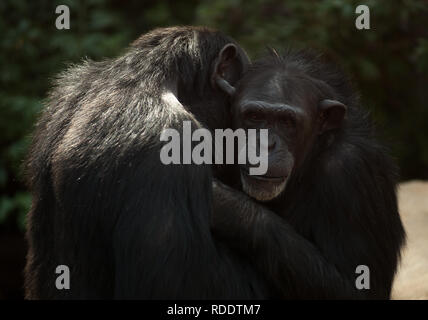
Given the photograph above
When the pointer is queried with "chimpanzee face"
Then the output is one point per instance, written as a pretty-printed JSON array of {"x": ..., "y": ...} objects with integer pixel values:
[{"x": 291, "y": 107}]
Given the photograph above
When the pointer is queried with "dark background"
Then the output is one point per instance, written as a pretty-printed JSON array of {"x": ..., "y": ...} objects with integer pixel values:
[{"x": 389, "y": 64}]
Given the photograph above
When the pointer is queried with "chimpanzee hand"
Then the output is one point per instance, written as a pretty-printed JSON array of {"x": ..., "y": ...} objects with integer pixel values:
[{"x": 235, "y": 217}]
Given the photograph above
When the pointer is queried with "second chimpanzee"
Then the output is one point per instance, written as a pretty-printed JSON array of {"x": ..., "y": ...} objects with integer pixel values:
[{"x": 327, "y": 203}]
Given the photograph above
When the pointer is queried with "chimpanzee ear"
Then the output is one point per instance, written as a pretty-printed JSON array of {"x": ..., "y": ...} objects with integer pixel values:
[
  {"x": 228, "y": 68},
  {"x": 332, "y": 113}
]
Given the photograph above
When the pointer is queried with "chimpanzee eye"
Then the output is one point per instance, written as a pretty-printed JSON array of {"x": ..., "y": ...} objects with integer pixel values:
[
  {"x": 289, "y": 121},
  {"x": 254, "y": 116}
]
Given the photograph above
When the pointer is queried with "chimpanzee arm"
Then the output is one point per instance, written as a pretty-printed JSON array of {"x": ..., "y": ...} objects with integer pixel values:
[
  {"x": 162, "y": 242},
  {"x": 292, "y": 265}
]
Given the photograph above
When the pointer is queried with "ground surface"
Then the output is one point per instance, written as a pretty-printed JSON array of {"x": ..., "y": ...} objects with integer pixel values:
[{"x": 411, "y": 281}]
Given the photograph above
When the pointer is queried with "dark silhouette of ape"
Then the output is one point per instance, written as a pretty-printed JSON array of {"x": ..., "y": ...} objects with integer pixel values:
[
  {"x": 129, "y": 226},
  {"x": 327, "y": 202},
  {"x": 104, "y": 205}
]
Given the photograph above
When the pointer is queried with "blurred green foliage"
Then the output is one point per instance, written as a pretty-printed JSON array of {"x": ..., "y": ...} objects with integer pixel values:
[{"x": 389, "y": 62}]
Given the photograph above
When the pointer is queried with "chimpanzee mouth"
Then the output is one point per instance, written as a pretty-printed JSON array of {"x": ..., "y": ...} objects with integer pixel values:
[
  {"x": 264, "y": 178},
  {"x": 262, "y": 188}
]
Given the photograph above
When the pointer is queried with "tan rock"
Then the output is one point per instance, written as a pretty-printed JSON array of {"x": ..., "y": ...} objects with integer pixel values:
[{"x": 411, "y": 281}]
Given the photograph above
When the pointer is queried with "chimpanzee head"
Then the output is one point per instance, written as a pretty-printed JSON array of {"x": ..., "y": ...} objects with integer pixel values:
[
  {"x": 194, "y": 65},
  {"x": 208, "y": 64},
  {"x": 285, "y": 96}
]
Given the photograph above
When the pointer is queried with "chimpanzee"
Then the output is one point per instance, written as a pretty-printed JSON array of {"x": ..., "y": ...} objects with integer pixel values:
[
  {"x": 126, "y": 225},
  {"x": 327, "y": 203}
]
